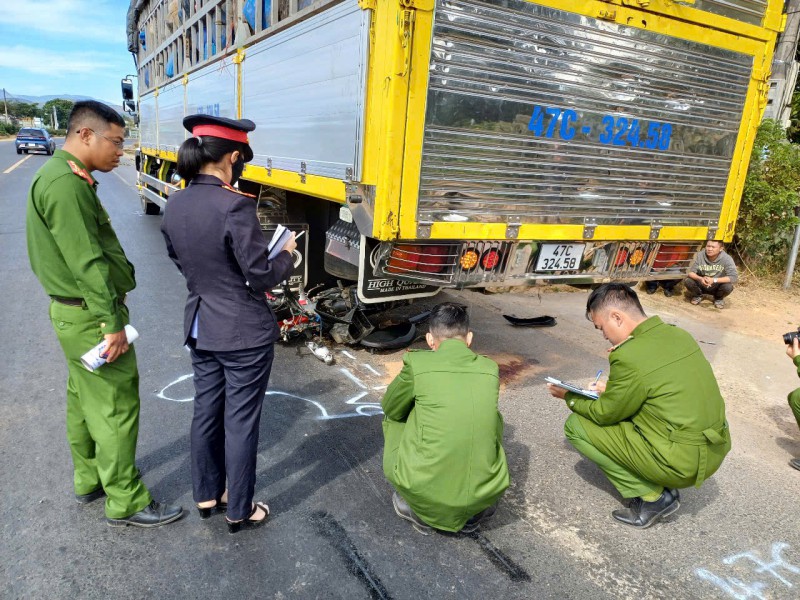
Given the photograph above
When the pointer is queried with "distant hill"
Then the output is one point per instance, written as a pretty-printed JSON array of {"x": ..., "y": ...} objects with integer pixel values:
[{"x": 40, "y": 100}]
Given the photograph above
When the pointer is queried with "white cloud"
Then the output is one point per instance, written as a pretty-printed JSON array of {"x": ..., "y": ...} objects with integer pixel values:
[
  {"x": 39, "y": 61},
  {"x": 81, "y": 20}
]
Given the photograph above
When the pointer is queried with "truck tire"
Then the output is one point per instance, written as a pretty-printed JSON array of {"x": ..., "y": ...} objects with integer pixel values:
[{"x": 149, "y": 208}]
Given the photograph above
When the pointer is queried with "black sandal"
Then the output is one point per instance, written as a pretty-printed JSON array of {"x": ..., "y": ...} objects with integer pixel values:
[
  {"x": 206, "y": 512},
  {"x": 247, "y": 523}
]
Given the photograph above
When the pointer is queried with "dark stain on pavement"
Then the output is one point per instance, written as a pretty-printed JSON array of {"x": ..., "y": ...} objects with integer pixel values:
[
  {"x": 514, "y": 368},
  {"x": 499, "y": 559},
  {"x": 332, "y": 530}
]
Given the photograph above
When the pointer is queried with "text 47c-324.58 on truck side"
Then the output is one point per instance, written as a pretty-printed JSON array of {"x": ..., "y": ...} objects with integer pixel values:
[{"x": 459, "y": 143}]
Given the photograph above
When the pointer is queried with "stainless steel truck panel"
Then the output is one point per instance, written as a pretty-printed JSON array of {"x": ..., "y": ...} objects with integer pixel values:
[
  {"x": 307, "y": 87},
  {"x": 212, "y": 90},
  {"x": 148, "y": 121},
  {"x": 747, "y": 11},
  {"x": 170, "y": 117},
  {"x": 537, "y": 115}
]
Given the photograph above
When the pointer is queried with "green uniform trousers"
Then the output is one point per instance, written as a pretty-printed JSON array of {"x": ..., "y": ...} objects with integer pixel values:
[
  {"x": 794, "y": 404},
  {"x": 633, "y": 473},
  {"x": 102, "y": 415}
]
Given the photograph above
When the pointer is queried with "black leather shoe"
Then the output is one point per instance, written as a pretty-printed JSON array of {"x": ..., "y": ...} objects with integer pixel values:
[
  {"x": 641, "y": 514},
  {"x": 668, "y": 293},
  {"x": 154, "y": 514},
  {"x": 476, "y": 520},
  {"x": 795, "y": 462},
  {"x": 404, "y": 511},
  {"x": 99, "y": 492}
]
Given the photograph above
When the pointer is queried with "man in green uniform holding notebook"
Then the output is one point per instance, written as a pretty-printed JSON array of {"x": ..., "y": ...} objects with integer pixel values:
[
  {"x": 659, "y": 424},
  {"x": 79, "y": 261}
]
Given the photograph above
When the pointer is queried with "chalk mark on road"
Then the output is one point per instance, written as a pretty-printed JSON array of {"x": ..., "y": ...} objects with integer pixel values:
[
  {"x": 363, "y": 408},
  {"x": 743, "y": 590}
]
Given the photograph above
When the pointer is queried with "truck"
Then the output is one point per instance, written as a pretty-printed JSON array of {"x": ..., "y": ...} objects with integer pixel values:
[{"x": 428, "y": 144}]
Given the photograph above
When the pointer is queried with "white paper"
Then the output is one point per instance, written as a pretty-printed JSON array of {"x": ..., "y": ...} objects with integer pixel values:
[{"x": 572, "y": 388}]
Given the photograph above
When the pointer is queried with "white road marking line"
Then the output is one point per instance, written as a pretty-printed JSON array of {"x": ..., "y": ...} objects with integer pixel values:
[
  {"x": 353, "y": 378},
  {"x": 16, "y": 164},
  {"x": 120, "y": 176},
  {"x": 347, "y": 354},
  {"x": 380, "y": 387}
]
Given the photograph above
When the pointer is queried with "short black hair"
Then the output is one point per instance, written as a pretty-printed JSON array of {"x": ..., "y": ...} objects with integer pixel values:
[
  {"x": 448, "y": 320},
  {"x": 88, "y": 112},
  {"x": 618, "y": 295}
]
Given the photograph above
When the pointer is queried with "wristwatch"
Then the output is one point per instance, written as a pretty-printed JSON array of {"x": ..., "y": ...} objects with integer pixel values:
[{"x": 714, "y": 280}]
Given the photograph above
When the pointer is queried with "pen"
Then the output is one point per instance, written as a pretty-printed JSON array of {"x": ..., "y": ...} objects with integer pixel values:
[{"x": 597, "y": 378}]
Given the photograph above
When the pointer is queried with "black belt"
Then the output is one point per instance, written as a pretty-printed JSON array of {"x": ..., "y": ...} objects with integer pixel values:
[
  {"x": 68, "y": 301},
  {"x": 79, "y": 301}
]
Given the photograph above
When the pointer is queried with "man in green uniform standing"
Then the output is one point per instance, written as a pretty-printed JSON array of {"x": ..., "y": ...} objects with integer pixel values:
[
  {"x": 659, "y": 423},
  {"x": 443, "y": 432},
  {"x": 79, "y": 261}
]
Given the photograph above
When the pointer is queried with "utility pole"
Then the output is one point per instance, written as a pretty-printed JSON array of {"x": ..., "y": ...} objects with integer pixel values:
[
  {"x": 785, "y": 51},
  {"x": 5, "y": 104},
  {"x": 784, "y": 67}
]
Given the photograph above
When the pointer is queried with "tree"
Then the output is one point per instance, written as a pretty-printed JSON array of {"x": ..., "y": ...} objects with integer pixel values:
[
  {"x": 63, "y": 108},
  {"x": 770, "y": 197},
  {"x": 23, "y": 110}
]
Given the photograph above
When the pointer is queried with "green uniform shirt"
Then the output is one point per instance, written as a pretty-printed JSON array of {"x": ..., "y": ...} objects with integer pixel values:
[
  {"x": 72, "y": 248},
  {"x": 661, "y": 382},
  {"x": 448, "y": 462}
]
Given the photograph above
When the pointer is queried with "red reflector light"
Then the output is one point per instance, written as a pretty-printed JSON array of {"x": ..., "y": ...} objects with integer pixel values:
[
  {"x": 669, "y": 256},
  {"x": 490, "y": 259},
  {"x": 432, "y": 259},
  {"x": 403, "y": 258},
  {"x": 622, "y": 256}
]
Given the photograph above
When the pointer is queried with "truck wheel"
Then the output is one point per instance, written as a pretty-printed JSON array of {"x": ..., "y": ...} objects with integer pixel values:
[{"x": 149, "y": 208}]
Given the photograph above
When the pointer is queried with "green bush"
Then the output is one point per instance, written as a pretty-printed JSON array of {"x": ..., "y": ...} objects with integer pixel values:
[
  {"x": 57, "y": 132},
  {"x": 767, "y": 218},
  {"x": 8, "y": 129}
]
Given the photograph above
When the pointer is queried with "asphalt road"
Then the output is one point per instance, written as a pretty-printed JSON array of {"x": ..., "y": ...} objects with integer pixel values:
[{"x": 334, "y": 533}]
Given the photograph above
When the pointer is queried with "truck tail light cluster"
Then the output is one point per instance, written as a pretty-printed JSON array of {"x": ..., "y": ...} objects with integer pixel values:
[{"x": 462, "y": 262}]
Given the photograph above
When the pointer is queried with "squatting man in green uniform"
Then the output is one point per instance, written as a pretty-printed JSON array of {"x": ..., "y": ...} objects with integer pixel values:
[
  {"x": 659, "y": 423},
  {"x": 443, "y": 433},
  {"x": 79, "y": 261},
  {"x": 793, "y": 351}
]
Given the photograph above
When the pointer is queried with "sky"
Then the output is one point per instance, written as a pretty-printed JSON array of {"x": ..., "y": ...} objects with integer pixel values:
[{"x": 51, "y": 47}]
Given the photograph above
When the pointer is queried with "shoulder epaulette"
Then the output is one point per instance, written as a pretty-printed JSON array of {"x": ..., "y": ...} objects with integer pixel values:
[
  {"x": 80, "y": 172},
  {"x": 630, "y": 337},
  {"x": 230, "y": 188}
]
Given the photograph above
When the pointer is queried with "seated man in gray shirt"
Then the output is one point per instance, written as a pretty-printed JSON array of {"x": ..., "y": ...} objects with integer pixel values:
[{"x": 713, "y": 272}]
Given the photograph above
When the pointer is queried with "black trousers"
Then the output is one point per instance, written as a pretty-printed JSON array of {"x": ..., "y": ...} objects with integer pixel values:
[
  {"x": 718, "y": 290},
  {"x": 229, "y": 392}
]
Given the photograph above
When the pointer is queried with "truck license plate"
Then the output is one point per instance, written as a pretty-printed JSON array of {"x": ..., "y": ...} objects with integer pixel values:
[{"x": 560, "y": 257}]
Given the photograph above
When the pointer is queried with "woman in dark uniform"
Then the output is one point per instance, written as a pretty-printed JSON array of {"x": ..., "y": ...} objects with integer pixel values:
[{"x": 213, "y": 236}]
